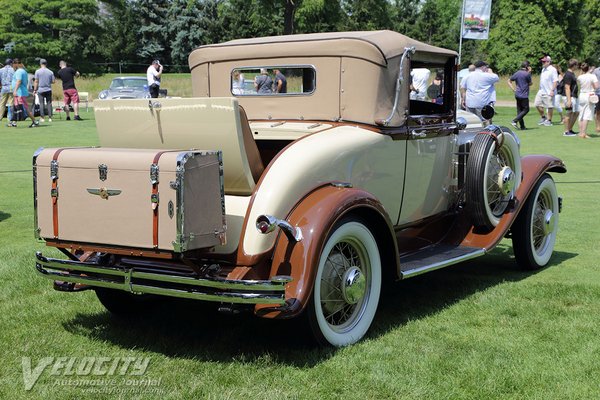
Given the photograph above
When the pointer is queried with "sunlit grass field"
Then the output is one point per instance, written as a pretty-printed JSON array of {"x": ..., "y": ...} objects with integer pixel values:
[{"x": 480, "y": 330}]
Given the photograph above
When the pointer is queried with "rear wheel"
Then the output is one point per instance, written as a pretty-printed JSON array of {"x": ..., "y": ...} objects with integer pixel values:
[
  {"x": 493, "y": 175},
  {"x": 534, "y": 231},
  {"x": 347, "y": 285}
]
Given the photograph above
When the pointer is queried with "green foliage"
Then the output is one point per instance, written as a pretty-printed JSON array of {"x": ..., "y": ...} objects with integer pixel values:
[
  {"x": 86, "y": 32},
  {"x": 52, "y": 29},
  {"x": 193, "y": 23},
  {"x": 367, "y": 15},
  {"x": 530, "y": 29},
  {"x": 152, "y": 34},
  {"x": 319, "y": 16}
]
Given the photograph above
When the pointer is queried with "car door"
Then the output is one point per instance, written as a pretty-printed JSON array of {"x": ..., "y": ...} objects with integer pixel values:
[{"x": 431, "y": 134}]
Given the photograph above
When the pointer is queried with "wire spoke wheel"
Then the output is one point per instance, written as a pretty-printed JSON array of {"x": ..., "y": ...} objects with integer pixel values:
[
  {"x": 534, "y": 231},
  {"x": 493, "y": 176},
  {"x": 347, "y": 285}
]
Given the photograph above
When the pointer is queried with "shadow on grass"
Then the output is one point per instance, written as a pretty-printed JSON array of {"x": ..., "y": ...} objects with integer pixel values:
[
  {"x": 188, "y": 329},
  {"x": 4, "y": 216}
]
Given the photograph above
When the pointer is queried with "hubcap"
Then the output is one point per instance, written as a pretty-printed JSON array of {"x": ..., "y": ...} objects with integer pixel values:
[
  {"x": 506, "y": 180},
  {"x": 548, "y": 222},
  {"x": 353, "y": 285}
]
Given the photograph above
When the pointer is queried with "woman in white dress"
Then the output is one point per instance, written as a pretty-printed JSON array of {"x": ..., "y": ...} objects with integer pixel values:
[{"x": 588, "y": 83}]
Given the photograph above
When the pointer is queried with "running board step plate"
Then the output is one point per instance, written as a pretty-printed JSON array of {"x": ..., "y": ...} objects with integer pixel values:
[{"x": 436, "y": 257}]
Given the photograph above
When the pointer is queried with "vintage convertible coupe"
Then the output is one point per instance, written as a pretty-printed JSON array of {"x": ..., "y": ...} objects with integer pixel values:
[{"x": 303, "y": 201}]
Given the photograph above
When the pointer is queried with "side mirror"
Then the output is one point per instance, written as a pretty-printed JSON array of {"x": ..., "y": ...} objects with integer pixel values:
[
  {"x": 488, "y": 112},
  {"x": 461, "y": 123}
]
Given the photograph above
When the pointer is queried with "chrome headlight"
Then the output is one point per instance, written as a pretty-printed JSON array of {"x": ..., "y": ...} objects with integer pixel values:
[{"x": 103, "y": 94}]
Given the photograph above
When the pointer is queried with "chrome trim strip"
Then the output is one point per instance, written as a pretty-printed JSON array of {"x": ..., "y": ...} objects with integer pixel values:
[
  {"x": 249, "y": 291},
  {"x": 216, "y": 283},
  {"x": 36, "y": 225},
  {"x": 421, "y": 270},
  {"x": 239, "y": 298},
  {"x": 408, "y": 51}
]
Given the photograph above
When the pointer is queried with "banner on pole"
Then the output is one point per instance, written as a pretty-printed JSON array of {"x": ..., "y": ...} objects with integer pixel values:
[{"x": 476, "y": 19}]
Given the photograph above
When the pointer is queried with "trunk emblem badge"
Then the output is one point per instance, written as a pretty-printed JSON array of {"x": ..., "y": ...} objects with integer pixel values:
[
  {"x": 103, "y": 171},
  {"x": 104, "y": 193}
]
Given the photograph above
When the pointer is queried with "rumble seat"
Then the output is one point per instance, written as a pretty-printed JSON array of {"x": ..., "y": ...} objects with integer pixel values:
[{"x": 199, "y": 123}]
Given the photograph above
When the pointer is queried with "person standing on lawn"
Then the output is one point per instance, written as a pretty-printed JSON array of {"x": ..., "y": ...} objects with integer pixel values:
[
  {"x": 477, "y": 89},
  {"x": 42, "y": 87},
  {"x": 522, "y": 79},
  {"x": 153, "y": 75},
  {"x": 20, "y": 92},
  {"x": 588, "y": 84},
  {"x": 544, "y": 99},
  {"x": 70, "y": 95},
  {"x": 6, "y": 75},
  {"x": 571, "y": 97}
]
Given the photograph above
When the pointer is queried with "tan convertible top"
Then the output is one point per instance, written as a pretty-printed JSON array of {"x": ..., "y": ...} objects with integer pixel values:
[{"x": 374, "y": 46}]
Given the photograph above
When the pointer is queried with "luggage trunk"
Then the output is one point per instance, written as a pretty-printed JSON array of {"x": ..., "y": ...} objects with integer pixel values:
[{"x": 149, "y": 199}]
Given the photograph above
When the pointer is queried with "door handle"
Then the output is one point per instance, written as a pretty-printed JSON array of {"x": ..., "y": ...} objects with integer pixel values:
[{"x": 418, "y": 134}]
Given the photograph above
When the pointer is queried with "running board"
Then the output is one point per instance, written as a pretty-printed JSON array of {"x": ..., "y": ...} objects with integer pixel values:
[{"x": 436, "y": 257}]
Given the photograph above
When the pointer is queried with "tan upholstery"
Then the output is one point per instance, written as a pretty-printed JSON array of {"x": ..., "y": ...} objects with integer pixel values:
[
  {"x": 198, "y": 123},
  {"x": 254, "y": 160}
]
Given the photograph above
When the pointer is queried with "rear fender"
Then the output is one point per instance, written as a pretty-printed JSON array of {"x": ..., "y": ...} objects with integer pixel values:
[{"x": 316, "y": 215}]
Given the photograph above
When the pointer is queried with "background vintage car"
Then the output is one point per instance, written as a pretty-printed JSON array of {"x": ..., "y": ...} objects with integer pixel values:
[
  {"x": 128, "y": 87},
  {"x": 330, "y": 190}
]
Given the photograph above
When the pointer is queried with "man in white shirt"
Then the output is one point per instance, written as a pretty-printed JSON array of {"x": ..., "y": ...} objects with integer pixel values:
[
  {"x": 477, "y": 89},
  {"x": 419, "y": 83},
  {"x": 153, "y": 76},
  {"x": 544, "y": 99}
]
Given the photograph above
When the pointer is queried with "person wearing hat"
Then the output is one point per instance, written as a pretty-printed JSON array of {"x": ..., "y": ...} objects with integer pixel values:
[
  {"x": 6, "y": 75},
  {"x": 42, "y": 87},
  {"x": 544, "y": 99},
  {"x": 153, "y": 74},
  {"x": 477, "y": 89}
]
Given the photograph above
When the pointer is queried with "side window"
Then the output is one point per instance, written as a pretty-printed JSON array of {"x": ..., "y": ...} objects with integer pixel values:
[
  {"x": 430, "y": 88},
  {"x": 273, "y": 80}
]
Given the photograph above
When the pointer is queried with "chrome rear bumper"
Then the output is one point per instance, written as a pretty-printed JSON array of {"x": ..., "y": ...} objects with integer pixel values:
[{"x": 128, "y": 279}]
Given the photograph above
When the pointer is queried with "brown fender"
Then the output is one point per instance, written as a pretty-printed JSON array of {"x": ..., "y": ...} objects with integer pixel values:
[
  {"x": 533, "y": 167},
  {"x": 316, "y": 214}
]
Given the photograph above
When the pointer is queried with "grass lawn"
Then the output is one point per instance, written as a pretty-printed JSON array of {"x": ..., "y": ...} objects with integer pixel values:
[{"x": 480, "y": 330}]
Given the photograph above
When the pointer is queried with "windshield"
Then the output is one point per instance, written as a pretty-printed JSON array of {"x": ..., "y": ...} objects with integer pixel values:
[{"x": 129, "y": 83}]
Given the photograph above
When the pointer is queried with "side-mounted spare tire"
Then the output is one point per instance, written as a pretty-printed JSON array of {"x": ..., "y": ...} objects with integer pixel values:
[{"x": 493, "y": 176}]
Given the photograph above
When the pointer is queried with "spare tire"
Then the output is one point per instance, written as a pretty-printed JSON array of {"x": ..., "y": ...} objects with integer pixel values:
[{"x": 493, "y": 176}]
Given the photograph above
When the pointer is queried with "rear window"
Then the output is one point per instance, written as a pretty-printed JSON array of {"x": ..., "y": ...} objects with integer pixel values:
[{"x": 273, "y": 81}]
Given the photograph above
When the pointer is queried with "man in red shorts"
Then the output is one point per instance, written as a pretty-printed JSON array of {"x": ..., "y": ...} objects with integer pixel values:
[
  {"x": 20, "y": 92},
  {"x": 67, "y": 75}
]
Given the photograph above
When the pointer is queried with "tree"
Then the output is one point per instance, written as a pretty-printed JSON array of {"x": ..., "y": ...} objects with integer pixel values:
[
  {"x": 530, "y": 29},
  {"x": 318, "y": 16},
  {"x": 52, "y": 30},
  {"x": 366, "y": 15},
  {"x": 191, "y": 23},
  {"x": 152, "y": 36}
]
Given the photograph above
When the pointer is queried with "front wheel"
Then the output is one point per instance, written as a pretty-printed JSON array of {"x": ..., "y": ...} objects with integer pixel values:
[
  {"x": 347, "y": 285},
  {"x": 534, "y": 231}
]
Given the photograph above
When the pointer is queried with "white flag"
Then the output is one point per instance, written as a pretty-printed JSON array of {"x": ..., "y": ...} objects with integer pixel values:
[{"x": 476, "y": 19}]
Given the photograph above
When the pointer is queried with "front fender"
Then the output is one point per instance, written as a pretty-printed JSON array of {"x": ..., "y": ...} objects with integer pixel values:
[{"x": 316, "y": 215}]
